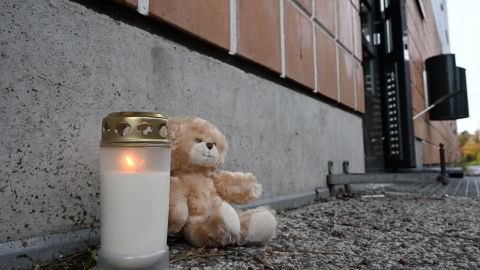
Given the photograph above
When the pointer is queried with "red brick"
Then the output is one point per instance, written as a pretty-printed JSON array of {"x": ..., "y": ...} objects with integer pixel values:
[
  {"x": 325, "y": 14},
  {"x": 298, "y": 46},
  {"x": 357, "y": 35},
  {"x": 359, "y": 87},
  {"x": 306, "y": 4},
  {"x": 346, "y": 71},
  {"x": 207, "y": 19},
  {"x": 356, "y": 4},
  {"x": 258, "y": 32},
  {"x": 345, "y": 23},
  {"x": 326, "y": 65},
  {"x": 420, "y": 128}
]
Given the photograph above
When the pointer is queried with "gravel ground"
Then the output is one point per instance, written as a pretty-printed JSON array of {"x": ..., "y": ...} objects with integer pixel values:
[
  {"x": 396, "y": 231},
  {"x": 377, "y": 230}
]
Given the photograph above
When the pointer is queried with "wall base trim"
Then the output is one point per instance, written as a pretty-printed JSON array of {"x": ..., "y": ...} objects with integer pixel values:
[
  {"x": 21, "y": 254},
  {"x": 289, "y": 201}
]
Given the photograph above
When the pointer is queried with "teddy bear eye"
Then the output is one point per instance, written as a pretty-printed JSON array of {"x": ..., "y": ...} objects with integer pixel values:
[{"x": 198, "y": 140}]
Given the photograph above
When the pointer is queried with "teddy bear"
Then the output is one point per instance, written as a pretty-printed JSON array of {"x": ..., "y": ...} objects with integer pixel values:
[{"x": 200, "y": 196}]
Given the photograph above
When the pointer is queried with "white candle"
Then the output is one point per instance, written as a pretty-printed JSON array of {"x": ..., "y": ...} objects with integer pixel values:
[
  {"x": 134, "y": 214},
  {"x": 135, "y": 188}
]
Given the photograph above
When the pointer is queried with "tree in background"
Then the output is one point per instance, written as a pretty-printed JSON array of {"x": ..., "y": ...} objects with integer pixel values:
[
  {"x": 463, "y": 138},
  {"x": 469, "y": 147}
]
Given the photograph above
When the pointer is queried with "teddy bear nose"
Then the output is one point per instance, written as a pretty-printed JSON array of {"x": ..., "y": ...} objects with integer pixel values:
[{"x": 209, "y": 146}]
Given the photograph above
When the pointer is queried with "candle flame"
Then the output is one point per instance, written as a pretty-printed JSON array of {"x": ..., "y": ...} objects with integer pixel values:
[{"x": 130, "y": 161}]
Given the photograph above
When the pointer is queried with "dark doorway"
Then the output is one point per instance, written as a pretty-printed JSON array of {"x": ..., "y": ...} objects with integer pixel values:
[
  {"x": 387, "y": 123},
  {"x": 372, "y": 120}
]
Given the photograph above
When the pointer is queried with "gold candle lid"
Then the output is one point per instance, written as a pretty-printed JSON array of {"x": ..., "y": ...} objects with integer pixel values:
[{"x": 135, "y": 129}]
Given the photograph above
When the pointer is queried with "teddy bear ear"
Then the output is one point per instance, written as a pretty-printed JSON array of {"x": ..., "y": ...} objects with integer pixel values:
[{"x": 175, "y": 126}]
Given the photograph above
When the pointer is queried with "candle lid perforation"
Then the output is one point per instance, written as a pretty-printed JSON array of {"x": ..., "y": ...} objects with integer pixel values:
[{"x": 135, "y": 129}]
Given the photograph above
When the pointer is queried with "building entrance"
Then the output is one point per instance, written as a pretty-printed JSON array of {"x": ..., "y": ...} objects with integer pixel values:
[{"x": 388, "y": 127}]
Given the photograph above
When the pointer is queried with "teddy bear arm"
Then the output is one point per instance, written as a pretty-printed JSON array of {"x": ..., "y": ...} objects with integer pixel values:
[
  {"x": 178, "y": 207},
  {"x": 237, "y": 187}
]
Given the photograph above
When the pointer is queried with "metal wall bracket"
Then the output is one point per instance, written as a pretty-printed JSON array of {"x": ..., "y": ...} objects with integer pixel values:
[
  {"x": 345, "y": 170},
  {"x": 346, "y": 167},
  {"x": 330, "y": 167}
]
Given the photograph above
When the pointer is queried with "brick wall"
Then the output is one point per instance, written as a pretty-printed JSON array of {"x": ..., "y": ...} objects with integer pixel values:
[
  {"x": 316, "y": 43},
  {"x": 424, "y": 42}
]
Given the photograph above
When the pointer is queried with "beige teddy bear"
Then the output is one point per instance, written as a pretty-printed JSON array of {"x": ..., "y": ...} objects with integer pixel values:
[{"x": 200, "y": 196}]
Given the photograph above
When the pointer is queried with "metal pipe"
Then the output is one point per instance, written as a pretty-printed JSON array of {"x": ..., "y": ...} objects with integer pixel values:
[
  {"x": 440, "y": 100},
  {"x": 443, "y": 177}
]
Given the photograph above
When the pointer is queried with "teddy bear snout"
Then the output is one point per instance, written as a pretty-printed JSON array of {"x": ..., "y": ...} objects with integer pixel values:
[{"x": 209, "y": 146}]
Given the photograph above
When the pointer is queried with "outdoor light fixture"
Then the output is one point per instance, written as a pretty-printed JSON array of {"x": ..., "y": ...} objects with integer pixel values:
[{"x": 134, "y": 191}]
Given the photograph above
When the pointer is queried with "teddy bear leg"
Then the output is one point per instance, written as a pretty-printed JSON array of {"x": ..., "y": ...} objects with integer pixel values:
[
  {"x": 220, "y": 228},
  {"x": 257, "y": 226}
]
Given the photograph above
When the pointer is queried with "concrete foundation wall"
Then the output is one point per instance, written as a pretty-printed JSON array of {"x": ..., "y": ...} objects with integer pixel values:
[{"x": 64, "y": 67}]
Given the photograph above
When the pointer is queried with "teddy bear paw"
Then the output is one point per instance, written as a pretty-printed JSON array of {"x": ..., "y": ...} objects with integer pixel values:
[
  {"x": 256, "y": 190},
  {"x": 250, "y": 177},
  {"x": 230, "y": 218},
  {"x": 261, "y": 228},
  {"x": 174, "y": 229}
]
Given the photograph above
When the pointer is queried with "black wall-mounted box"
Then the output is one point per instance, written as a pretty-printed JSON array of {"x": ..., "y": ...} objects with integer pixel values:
[
  {"x": 444, "y": 78},
  {"x": 461, "y": 100}
]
